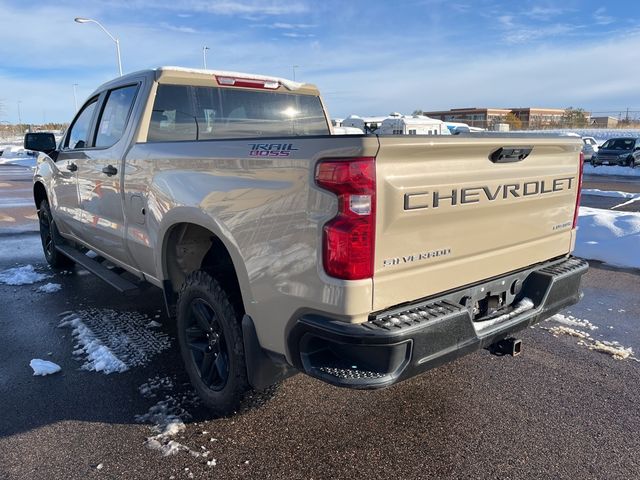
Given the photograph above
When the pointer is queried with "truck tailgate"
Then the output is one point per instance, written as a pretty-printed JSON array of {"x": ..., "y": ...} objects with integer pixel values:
[{"x": 449, "y": 216}]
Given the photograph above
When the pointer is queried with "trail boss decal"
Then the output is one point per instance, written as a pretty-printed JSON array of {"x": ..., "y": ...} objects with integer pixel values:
[
  {"x": 271, "y": 149},
  {"x": 485, "y": 193}
]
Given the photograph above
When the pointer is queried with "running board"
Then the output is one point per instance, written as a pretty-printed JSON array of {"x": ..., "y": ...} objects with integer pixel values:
[{"x": 121, "y": 284}]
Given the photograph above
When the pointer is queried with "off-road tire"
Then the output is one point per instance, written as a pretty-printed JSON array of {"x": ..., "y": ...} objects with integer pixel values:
[
  {"x": 198, "y": 289},
  {"x": 50, "y": 237}
]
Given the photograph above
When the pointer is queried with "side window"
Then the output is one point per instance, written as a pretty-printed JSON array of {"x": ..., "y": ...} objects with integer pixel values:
[
  {"x": 115, "y": 115},
  {"x": 78, "y": 136},
  {"x": 172, "y": 117}
]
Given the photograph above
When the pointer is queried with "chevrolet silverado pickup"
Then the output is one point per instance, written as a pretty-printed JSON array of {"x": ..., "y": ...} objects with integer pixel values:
[{"x": 360, "y": 260}]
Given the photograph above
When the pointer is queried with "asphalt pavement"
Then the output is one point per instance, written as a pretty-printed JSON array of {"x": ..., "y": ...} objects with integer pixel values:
[{"x": 559, "y": 410}]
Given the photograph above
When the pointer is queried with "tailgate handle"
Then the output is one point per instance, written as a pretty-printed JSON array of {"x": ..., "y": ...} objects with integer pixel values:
[{"x": 509, "y": 154}]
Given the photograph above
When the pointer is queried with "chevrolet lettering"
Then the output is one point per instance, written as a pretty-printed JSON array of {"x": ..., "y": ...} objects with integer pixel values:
[{"x": 478, "y": 194}]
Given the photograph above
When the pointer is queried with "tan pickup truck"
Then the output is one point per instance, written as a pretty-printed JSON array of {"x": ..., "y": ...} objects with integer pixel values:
[{"x": 281, "y": 248}]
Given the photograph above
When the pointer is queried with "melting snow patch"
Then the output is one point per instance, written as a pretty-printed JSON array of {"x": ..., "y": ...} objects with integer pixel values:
[
  {"x": 110, "y": 341},
  {"x": 609, "y": 193},
  {"x": 611, "y": 170},
  {"x": 614, "y": 349},
  {"x": 49, "y": 288},
  {"x": 151, "y": 388},
  {"x": 43, "y": 367},
  {"x": 167, "y": 416},
  {"x": 25, "y": 275},
  {"x": 572, "y": 321}
]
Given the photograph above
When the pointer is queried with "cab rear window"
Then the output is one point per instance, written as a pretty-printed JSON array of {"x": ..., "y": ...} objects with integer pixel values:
[{"x": 189, "y": 113}]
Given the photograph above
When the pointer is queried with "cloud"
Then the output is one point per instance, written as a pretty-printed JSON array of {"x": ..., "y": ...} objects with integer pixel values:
[
  {"x": 298, "y": 35},
  {"x": 521, "y": 34},
  {"x": 221, "y": 7},
  {"x": 545, "y": 13},
  {"x": 178, "y": 28},
  {"x": 601, "y": 18}
]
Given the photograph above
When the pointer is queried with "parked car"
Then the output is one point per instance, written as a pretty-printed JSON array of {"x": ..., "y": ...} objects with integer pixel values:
[
  {"x": 589, "y": 148},
  {"x": 618, "y": 151},
  {"x": 591, "y": 141}
]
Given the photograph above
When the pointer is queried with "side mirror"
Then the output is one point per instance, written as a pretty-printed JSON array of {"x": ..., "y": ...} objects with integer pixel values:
[{"x": 40, "y": 142}]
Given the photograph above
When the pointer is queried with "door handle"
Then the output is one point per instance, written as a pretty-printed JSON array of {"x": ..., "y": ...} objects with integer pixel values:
[
  {"x": 72, "y": 167},
  {"x": 110, "y": 170}
]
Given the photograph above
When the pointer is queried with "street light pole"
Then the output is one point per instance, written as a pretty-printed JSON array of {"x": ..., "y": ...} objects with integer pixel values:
[
  {"x": 75, "y": 96},
  {"x": 19, "y": 113},
  {"x": 204, "y": 56},
  {"x": 293, "y": 67},
  {"x": 117, "y": 42}
]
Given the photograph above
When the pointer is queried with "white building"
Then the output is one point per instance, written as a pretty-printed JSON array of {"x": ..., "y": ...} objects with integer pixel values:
[
  {"x": 412, "y": 125},
  {"x": 365, "y": 124}
]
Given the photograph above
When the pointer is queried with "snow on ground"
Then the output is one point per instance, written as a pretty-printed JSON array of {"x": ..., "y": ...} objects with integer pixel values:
[
  {"x": 49, "y": 288},
  {"x": 25, "y": 275},
  {"x": 608, "y": 236},
  {"x": 571, "y": 321},
  {"x": 600, "y": 134},
  {"x": 167, "y": 416},
  {"x": 109, "y": 341},
  {"x": 43, "y": 367},
  {"x": 611, "y": 170},
  {"x": 615, "y": 349},
  {"x": 609, "y": 193}
]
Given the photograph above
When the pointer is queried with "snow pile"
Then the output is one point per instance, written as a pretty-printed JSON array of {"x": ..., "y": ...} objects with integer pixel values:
[
  {"x": 50, "y": 288},
  {"x": 608, "y": 236},
  {"x": 109, "y": 341},
  {"x": 168, "y": 417},
  {"x": 617, "y": 351},
  {"x": 611, "y": 170},
  {"x": 572, "y": 321},
  {"x": 572, "y": 332},
  {"x": 521, "y": 307},
  {"x": 43, "y": 367},
  {"x": 25, "y": 275},
  {"x": 609, "y": 193},
  {"x": 614, "y": 349}
]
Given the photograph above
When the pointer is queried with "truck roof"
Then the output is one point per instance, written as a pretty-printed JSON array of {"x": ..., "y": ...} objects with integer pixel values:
[{"x": 168, "y": 73}]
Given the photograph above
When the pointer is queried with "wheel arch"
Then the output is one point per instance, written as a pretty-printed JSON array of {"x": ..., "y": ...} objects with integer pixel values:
[{"x": 191, "y": 240}]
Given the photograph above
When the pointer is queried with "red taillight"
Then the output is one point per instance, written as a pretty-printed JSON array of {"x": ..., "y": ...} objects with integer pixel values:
[
  {"x": 349, "y": 238},
  {"x": 247, "y": 82},
  {"x": 579, "y": 185}
]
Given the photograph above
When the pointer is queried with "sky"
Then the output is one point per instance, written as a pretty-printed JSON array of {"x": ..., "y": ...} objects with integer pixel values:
[{"x": 367, "y": 57}]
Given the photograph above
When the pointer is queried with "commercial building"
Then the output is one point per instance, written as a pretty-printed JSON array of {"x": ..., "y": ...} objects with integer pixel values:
[
  {"x": 603, "y": 122},
  {"x": 530, "y": 117},
  {"x": 474, "y": 117}
]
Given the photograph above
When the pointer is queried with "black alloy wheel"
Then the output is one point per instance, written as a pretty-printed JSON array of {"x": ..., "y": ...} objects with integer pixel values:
[{"x": 206, "y": 341}]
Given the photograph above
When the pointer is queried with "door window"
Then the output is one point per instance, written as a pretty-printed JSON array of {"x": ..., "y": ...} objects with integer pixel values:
[
  {"x": 115, "y": 115},
  {"x": 78, "y": 136}
]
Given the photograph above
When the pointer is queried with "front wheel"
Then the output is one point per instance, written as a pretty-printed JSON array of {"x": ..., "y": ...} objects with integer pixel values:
[
  {"x": 210, "y": 339},
  {"x": 50, "y": 238}
]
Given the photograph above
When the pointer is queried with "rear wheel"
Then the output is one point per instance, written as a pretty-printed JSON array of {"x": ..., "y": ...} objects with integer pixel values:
[
  {"x": 210, "y": 339},
  {"x": 50, "y": 238}
]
